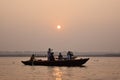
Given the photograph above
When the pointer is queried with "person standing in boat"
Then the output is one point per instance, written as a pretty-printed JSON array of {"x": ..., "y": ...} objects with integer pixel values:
[
  {"x": 60, "y": 57},
  {"x": 50, "y": 54}
]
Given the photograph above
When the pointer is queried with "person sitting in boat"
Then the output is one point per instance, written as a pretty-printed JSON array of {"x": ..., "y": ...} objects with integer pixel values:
[
  {"x": 32, "y": 58},
  {"x": 69, "y": 55},
  {"x": 60, "y": 57}
]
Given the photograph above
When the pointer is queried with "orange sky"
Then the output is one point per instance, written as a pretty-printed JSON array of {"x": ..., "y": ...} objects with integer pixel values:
[{"x": 87, "y": 25}]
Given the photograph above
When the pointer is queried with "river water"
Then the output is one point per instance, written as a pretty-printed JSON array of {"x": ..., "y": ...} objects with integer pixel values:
[{"x": 97, "y": 68}]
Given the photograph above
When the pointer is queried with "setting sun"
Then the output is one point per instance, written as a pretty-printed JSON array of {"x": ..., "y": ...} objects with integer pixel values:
[{"x": 58, "y": 27}]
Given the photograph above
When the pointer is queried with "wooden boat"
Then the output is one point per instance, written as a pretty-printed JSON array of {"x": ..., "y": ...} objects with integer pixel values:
[{"x": 75, "y": 62}]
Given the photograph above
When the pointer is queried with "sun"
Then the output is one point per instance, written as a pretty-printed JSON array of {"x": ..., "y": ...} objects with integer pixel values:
[{"x": 58, "y": 27}]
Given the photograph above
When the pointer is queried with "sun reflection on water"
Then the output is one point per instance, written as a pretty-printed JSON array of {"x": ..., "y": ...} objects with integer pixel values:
[{"x": 57, "y": 73}]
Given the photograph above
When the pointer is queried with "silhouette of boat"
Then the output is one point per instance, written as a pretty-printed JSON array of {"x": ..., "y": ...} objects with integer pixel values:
[{"x": 75, "y": 62}]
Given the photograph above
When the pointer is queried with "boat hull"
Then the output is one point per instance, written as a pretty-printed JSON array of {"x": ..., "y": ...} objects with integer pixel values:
[{"x": 77, "y": 62}]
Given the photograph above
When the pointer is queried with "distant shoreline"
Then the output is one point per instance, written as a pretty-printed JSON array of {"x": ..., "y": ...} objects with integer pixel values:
[
  {"x": 64, "y": 55},
  {"x": 44, "y": 54}
]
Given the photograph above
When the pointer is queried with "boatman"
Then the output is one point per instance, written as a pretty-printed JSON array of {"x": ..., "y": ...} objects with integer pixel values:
[
  {"x": 32, "y": 57},
  {"x": 49, "y": 54}
]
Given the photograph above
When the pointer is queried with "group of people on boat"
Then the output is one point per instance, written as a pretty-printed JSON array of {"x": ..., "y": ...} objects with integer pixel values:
[
  {"x": 60, "y": 56},
  {"x": 50, "y": 55}
]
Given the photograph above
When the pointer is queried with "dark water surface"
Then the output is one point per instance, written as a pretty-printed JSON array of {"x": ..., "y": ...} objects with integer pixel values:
[{"x": 97, "y": 68}]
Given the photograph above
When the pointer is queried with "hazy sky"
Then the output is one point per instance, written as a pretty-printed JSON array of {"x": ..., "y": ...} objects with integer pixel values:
[{"x": 87, "y": 25}]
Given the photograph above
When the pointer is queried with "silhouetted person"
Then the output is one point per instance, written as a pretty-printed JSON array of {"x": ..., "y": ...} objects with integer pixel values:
[
  {"x": 52, "y": 57},
  {"x": 49, "y": 53},
  {"x": 69, "y": 55},
  {"x": 60, "y": 57},
  {"x": 32, "y": 58}
]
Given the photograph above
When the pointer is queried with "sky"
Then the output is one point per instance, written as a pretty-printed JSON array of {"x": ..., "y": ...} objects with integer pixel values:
[{"x": 86, "y": 25}]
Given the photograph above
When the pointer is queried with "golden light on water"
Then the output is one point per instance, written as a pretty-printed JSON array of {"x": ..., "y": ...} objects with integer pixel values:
[{"x": 57, "y": 74}]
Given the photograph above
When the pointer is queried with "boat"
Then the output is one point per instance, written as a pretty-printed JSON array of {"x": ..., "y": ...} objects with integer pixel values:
[{"x": 73, "y": 62}]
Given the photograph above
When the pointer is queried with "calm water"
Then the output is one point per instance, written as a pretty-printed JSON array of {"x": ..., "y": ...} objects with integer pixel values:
[{"x": 97, "y": 68}]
